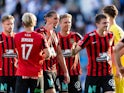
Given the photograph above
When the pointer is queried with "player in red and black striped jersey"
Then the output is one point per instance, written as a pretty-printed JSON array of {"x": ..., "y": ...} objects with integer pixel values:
[
  {"x": 119, "y": 51},
  {"x": 66, "y": 40},
  {"x": 7, "y": 55},
  {"x": 66, "y": 43},
  {"x": 49, "y": 66},
  {"x": 30, "y": 45},
  {"x": 99, "y": 46}
]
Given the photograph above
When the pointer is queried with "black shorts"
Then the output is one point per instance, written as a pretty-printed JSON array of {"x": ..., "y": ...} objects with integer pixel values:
[
  {"x": 73, "y": 87},
  {"x": 35, "y": 85},
  {"x": 99, "y": 84},
  {"x": 7, "y": 84},
  {"x": 49, "y": 80}
]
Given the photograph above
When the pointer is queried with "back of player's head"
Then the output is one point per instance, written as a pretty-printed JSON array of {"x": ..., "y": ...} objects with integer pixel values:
[
  {"x": 99, "y": 17},
  {"x": 29, "y": 19},
  {"x": 66, "y": 15},
  {"x": 110, "y": 10},
  {"x": 7, "y": 17}
]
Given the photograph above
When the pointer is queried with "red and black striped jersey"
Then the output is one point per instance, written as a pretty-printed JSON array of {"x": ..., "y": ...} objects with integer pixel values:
[
  {"x": 50, "y": 64},
  {"x": 66, "y": 43},
  {"x": 7, "y": 54},
  {"x": 29, "y": 46},
  {"x": 98, "y": 50}
]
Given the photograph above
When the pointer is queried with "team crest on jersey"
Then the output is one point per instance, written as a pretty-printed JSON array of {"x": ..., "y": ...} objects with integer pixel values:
[
  {"x": 72, "y": 40},
  {"x": 9, "y": 53}
]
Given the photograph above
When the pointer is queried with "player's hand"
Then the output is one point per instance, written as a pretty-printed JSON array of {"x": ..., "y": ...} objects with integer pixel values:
[
  {"x": 122, "y": 71},
  {"x": 73, "y": 48},
  {"x": 66, "y": 78},
  {"x": 75, "y": 61},
  {"x": 74, "y": 45},
  {"x": 1, "y": 41},
  {"x": 45, "y": 54},
  {"x": 118, "y": 74},
  {"x": 16, "y": 62},
  {"x": 74, "y": 66}
]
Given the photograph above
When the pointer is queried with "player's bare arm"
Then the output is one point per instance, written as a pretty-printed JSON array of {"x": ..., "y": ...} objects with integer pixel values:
[
  {"x": 118, "y": 47},
  {"x": 63, "y": 64}
]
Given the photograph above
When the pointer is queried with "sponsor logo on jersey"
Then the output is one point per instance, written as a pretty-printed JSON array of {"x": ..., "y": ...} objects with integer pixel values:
[{"x": 9, "y": 53}]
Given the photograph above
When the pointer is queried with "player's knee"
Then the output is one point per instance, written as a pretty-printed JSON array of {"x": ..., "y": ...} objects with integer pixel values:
[{"x": 50, "y": 91}]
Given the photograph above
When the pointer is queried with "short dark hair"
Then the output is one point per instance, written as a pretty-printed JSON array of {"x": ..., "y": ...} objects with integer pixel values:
[
  {"x": 99, "y": 17},
  {"x": 111, "y": 10},
  {"x": 50, "y": 13}
]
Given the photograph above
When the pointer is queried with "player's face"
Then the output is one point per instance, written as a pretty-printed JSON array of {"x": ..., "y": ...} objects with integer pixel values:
[
  {"x": 8, "y": 25},
  {"x": 65, "y": 24},
  {"x": 103, "y": 24},
  {"x": 54, "y": 19}
]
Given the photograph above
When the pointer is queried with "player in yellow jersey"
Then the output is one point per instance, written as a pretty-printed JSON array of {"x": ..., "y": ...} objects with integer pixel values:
[{"x": 112, "y": 12}]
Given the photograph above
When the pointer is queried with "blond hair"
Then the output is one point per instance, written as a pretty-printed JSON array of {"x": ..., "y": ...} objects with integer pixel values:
[
  {"x": 66, "y": 15},
  {"x": 29, "y": 19},
  {"x": 7, "y": 17}
]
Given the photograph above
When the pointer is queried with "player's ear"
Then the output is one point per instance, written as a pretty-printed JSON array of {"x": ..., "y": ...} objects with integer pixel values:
[{"x": 23, "y": 23}]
